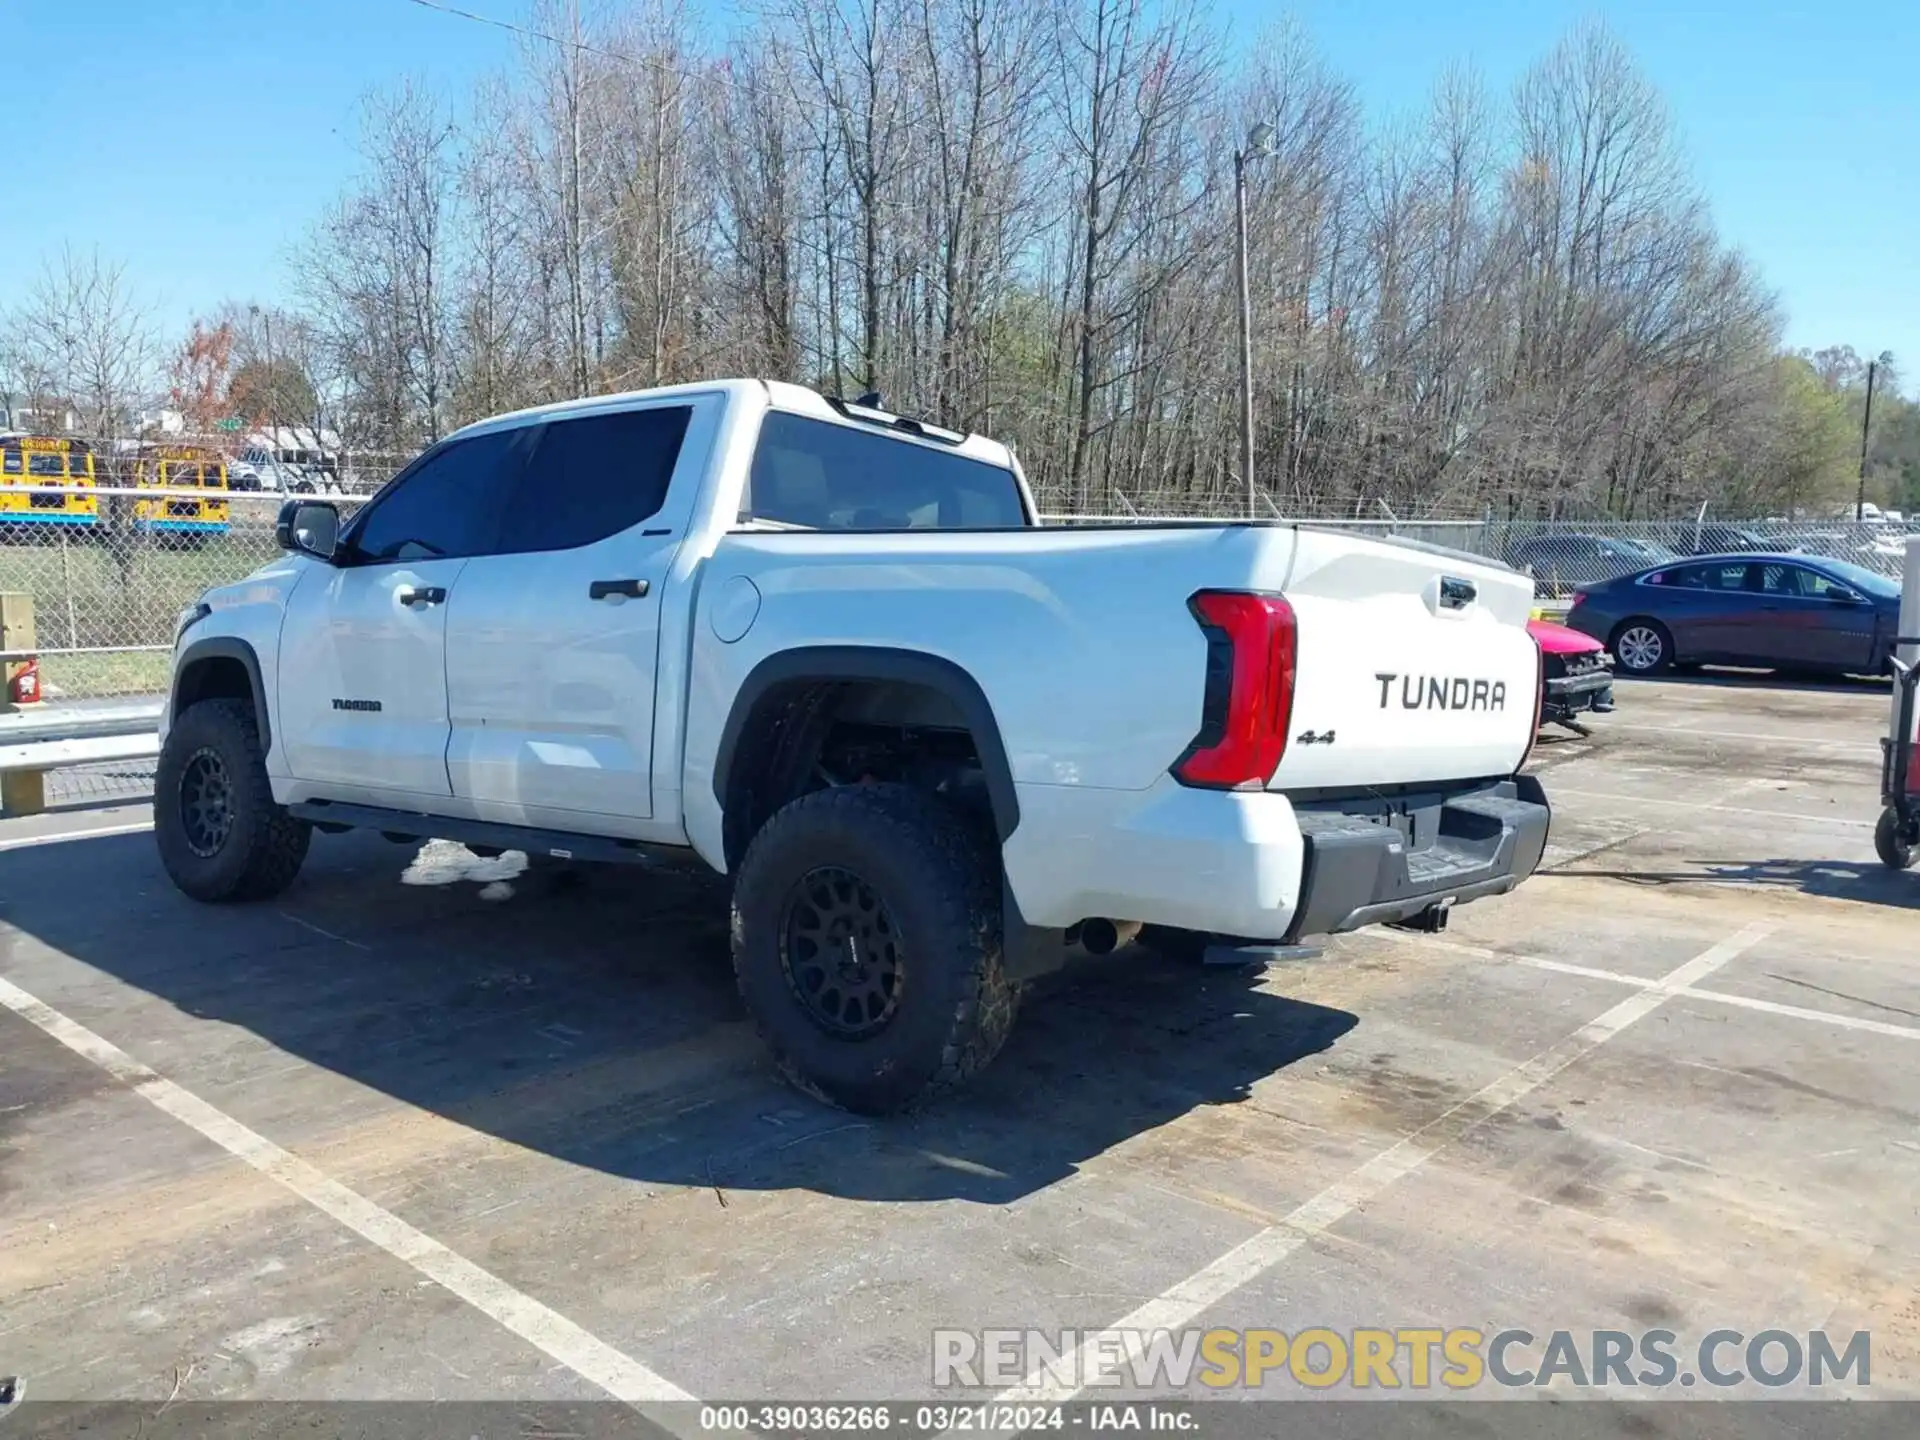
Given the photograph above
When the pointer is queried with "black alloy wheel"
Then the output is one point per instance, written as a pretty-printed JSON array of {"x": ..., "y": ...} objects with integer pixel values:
[
  {"x": 841, "y": 952},
  {"x": 206, "y": 803}
]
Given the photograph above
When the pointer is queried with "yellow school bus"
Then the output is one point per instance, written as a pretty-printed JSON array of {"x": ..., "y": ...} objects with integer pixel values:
[
  {"x": 181, "y": 467},
  {"x": 47, "y": 480}
]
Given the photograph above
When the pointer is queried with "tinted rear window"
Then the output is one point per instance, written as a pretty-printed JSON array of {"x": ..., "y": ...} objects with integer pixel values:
[
  {"x": 593, "y": 477},
  {"x": 837, "y": 477},
  {"x": 1702, "y": 577}
]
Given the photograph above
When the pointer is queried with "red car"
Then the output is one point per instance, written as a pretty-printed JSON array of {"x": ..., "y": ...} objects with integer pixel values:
[{"x": 1579, "y": 675}]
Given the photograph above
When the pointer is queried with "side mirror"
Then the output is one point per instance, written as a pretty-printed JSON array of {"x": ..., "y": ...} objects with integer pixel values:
[{"x": 309, "y": 527}]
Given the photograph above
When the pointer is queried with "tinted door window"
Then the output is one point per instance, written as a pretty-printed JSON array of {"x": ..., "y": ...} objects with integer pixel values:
[
  {"x": 1783, "y": 580},
  {"x": 1816, "y": 586},
  {"x": 589, "y": 478},
  {"x": 448, "y": 505},
  {"x": 836, "y": 477}
]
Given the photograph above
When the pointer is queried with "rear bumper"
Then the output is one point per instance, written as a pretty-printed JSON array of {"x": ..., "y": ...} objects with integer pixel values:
[
  {"x": 1359, "y": 871},
  {"x": 1261, "y": 866}
]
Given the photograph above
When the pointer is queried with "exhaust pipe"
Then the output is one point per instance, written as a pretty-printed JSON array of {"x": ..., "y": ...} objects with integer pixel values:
[{"x": 1102, "y": 936}]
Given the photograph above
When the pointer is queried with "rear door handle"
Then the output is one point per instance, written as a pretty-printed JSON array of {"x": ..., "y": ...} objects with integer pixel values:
[
  {"x": 616, "y": 589},
  {"x": 411, "y": 595}
]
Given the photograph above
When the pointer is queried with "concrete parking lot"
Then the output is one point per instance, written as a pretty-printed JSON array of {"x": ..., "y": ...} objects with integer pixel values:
[{"x": 429, "y": 1128}]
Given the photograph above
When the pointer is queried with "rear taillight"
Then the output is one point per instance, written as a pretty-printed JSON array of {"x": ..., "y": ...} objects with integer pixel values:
[
  {"x": 1579, "y": 598},
  {"x": 1249, "y": 694}
]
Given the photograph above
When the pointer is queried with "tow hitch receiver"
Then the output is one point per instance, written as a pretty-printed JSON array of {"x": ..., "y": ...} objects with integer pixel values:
[{"x": 1430, "y": 921}]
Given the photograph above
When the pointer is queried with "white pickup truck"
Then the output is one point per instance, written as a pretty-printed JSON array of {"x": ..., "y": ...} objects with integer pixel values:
[{"x": 828, "y": 649}]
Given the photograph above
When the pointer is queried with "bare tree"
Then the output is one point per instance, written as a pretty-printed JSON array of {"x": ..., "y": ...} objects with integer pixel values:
[
  {"x": 1125, "y": 84},
  {"x": 1011, "y": 217},
  {"x": 377, "y": 272},
  {"x": 83, "y": 341},
  {"x": 752, "y": 141}
]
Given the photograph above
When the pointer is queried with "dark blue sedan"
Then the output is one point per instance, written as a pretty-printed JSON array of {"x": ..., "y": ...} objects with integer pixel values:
[{"x": 1784, "y": 612}]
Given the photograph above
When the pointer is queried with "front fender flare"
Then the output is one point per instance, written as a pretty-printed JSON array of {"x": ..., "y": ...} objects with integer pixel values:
[{"x": 223, "y": 647}]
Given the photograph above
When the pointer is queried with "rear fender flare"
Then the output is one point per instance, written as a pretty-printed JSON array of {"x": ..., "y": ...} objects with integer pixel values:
[{"x": 873, "y": 662}]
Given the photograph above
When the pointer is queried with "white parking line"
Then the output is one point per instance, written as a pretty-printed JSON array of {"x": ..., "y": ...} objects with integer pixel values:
[
  {"x": 1788, "y": 815},
  {"x": 100, "y": 832},
  {"x": 1690, "y": 993},
  {"x": 1792, "y": 741},
  {"x": 1801, "y": 1012},
  {"x": 1718, "y": 997},
  {"x": 1186, "y": 1301},
  {"x": 546, "y": 1330}
]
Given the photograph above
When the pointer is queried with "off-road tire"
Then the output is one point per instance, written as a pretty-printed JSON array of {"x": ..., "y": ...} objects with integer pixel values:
[
  {"x": 264, "y": 847},
  {"x": 1893, "y": 849},
  {"x": 940, "y": 887}
]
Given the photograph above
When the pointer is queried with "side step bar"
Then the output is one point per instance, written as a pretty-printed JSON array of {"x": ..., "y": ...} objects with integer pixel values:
[{"x": 558, "y": 844}]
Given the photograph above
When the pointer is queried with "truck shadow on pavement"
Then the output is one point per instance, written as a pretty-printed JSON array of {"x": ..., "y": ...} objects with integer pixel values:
[{"x": 591, "y": 1016}]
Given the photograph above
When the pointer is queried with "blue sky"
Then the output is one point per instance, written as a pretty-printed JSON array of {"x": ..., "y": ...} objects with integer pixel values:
[{"x": 197, "y": 139}]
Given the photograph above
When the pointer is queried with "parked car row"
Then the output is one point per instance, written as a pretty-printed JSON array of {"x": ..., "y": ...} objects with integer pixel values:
[
  {"x": 1774, "y": 610},
  {"x": 1563, "y": 562}
]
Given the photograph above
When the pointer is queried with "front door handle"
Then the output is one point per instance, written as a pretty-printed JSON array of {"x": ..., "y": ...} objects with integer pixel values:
[
  {"x": 616, "y": 589},
  {"x": 410, "y": 595}
]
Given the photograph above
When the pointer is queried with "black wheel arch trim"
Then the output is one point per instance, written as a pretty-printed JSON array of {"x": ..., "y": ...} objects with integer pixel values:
[
  {"x": 223, "y": 647},
  {"x": 883, "y": 663}
]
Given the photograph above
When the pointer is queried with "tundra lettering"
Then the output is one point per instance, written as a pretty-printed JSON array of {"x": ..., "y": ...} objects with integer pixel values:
[{"x": 1442, "y": 692}]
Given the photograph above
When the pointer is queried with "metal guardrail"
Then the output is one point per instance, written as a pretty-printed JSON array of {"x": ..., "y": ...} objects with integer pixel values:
[{"x": 55, "y": 737}]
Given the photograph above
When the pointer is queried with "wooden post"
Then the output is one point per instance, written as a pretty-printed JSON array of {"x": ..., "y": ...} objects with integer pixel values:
[{"x": 22, "y": 792}]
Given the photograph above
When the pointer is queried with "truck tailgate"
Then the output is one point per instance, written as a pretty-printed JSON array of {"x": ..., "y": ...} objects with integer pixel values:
[{"x": 1413, "y": 665}]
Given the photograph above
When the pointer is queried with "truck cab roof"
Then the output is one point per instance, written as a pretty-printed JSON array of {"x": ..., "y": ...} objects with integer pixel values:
[{"x": 763, "y": 395}]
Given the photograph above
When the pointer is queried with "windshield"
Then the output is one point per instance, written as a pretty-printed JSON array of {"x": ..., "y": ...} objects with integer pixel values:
[{"x": 1862, "y": 579}]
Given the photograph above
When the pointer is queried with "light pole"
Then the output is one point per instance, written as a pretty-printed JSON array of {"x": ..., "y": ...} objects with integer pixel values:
[
  {"x": 1866, "y": 429},
  {"x": 265, "y": 317},
  {"x": 1259, "y": 145}
]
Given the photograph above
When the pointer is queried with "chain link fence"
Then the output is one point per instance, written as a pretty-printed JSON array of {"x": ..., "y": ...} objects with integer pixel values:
[
  {"x": 109, "y": 581},
  {"x": 1563, "y": 555},
  {"x": 110, "y": 574}
]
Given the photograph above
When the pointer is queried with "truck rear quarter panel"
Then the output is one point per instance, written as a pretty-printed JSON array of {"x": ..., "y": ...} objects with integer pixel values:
[{"x": 1080, "y": 639}]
